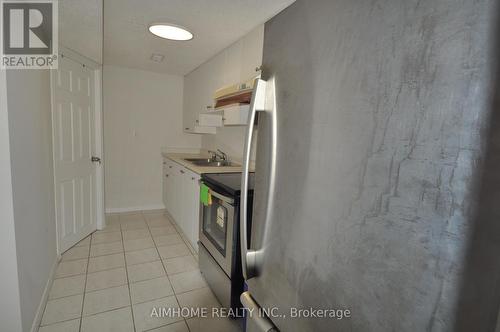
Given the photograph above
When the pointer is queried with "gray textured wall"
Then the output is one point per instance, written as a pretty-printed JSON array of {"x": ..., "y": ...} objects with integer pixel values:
[
  {"x": 393, "y": 159},
  {"x": 30, "y": 132}
]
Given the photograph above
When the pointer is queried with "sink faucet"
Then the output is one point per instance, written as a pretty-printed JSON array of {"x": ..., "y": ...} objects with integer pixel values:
[
  {"x": 213, "y": 154},
  {"x": 222, "y": 155}
]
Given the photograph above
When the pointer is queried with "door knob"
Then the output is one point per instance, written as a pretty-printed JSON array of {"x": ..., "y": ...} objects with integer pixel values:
[{"x": 96, "y": 159}]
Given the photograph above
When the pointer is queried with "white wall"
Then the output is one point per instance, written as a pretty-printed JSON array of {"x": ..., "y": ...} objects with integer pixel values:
[
  {"x": 142, "y": 114},
  {"x": 30, "y": 130},
  {"x": 10, "y": 306},
  {"x": 234, "y": 64}
]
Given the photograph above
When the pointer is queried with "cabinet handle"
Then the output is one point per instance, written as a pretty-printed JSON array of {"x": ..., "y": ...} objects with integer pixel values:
[
  {"x": 164, "y": 163},
  {"x": 169, "y": 166},
  {"x": 186, "y": 128},
  {"x": 192, "y": 179},
  {"x": 166, "y": 175},
  {"x": 197, "y": 121},
  {"x": 182, "y": 171}
]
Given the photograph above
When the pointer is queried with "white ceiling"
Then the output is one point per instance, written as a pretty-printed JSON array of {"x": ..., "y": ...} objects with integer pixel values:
[
  {"x": 215, "y": 24},
  {"x": 80, "y": 27}
]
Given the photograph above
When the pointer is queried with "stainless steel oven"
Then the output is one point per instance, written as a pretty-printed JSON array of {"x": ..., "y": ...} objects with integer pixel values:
[
  {"x": 219, "y": 250},
  {"x": 217, "y": 229}
]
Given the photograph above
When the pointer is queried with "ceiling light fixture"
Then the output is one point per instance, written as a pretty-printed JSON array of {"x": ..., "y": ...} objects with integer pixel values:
[{"x": 170, "y": 31}]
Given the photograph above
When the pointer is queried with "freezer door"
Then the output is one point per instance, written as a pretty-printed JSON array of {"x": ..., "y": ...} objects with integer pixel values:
[{"x": 364, "y": 163}]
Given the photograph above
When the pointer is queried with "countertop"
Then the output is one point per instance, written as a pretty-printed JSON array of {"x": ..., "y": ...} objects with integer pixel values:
[{"x": 179, "y": 158}]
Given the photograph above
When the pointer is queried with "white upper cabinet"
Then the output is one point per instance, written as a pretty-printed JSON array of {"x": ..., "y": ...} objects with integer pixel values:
[
  {"x": 234, "y": 64},
  {"x": 236, "y": 115}
]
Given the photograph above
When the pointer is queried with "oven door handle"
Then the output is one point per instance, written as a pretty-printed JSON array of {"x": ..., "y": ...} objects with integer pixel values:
[
  {"x": 228, "y": 200},
  {"x": 248, "y": 257},
  {"x": 214, "y": 193}
]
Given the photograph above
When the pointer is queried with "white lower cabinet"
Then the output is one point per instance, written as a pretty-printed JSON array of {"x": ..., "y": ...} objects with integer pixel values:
[
  {"x": 164, "y": 186},
  {"x": 167, "y": 183},
  {"x": 181, "y": 195},
  {"x": 191, "y": 206},
  {"x": 177, "y": 194}
]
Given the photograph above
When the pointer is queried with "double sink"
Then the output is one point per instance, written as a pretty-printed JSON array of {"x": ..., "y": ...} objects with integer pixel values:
[{"x": 208, "y": 162}]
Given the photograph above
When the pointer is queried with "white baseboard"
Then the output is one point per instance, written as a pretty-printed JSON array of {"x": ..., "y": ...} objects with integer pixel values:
[
  {"x": 136, "y": 208},
  {"x": 45, "y": 296}
]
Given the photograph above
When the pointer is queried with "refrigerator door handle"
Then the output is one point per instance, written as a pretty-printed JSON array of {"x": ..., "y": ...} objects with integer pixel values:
[
  {"x": 248, "y": 260},
  {"x": 259, "y": 320}
]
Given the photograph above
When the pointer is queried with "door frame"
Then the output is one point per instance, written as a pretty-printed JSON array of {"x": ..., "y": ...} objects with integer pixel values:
[{"x": 99, "y": 144}]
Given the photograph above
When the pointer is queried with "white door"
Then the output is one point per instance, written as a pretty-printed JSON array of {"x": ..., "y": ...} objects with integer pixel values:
[{"x": 74, "y": 128}]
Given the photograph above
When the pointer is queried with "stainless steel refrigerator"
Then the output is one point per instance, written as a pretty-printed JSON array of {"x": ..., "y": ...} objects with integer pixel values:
[{"x": 377, "y": 168}]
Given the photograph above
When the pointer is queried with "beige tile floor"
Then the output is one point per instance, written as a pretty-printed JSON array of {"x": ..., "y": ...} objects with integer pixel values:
[{"x": 112, "y": 280}]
